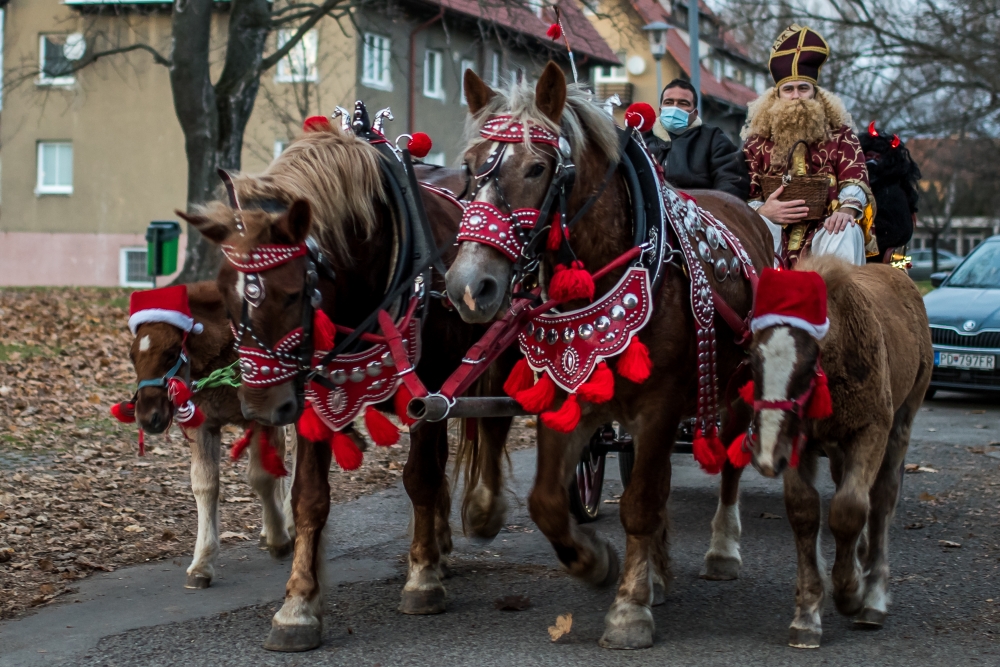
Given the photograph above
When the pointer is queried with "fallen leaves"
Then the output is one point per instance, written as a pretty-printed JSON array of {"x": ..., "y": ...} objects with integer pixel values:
[
  {"x": 925, "y": 497},
  {"x": 564, "y": 623},
  {"x": 949, "y": 544},
  {"x": 230, "y": 535},
  {"x": 914, "y": 468},
  {"x": 512, "y": 603}
]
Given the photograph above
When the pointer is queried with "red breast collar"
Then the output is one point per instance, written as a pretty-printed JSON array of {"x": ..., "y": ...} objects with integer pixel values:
[
  {"x": 260, "y": 368},
  {"x": 570, "y": 345}
]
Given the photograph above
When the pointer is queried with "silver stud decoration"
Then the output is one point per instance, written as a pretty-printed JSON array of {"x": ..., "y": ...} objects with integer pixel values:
[
  {"x": 339, "y": 376},
  {"x": 617, "y": 312},
  {"x": 357, "y": 374},
  {"x": 568, "y": 335},
  {"x": 530, "y": 329},
  {"x": 387, "y": 359},
  {"x": 493, "y": 228},
  {"x": 540, "y": 334},
  {"x": 721, "y": 269},
  {"x": 712, "y": 236},
  {"x": 564, "y": 147},
  {"x": 265, "y": 370},
  {"x": 704, "y": 251},
  {"x": 552, "y": 337},
  {"x": 603, "y": 323},
  {"x": 374, "y": 369},
  {"x": 734, "y": 266},
  {"x": 630, "y": 301},
  {"x": 586, "y": 331}
]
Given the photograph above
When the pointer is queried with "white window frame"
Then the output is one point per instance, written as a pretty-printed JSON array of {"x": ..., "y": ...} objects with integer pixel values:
[
  {"x": 123, "y": 280},
  {"x": 279, "y": 147},
  {"x": 374, "y": 44},
  {"x": 434, "y": 74},
  {"x": 465, "y": 64},
  {"x": 495, "y": 63},
  {"x": 307, "y": 50},
  {"x": 437, "y": 158},
  {"x": 40, "y": 187},
  {"x": 616, "y": 73},
  {"x": 43, "y": 79}
]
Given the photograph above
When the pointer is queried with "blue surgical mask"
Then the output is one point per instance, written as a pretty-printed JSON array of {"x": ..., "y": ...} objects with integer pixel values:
[{"x": 673, "y": 118}]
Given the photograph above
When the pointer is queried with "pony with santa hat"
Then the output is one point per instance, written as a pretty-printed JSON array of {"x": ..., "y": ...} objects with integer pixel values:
[{"x": 841, "y": 360}]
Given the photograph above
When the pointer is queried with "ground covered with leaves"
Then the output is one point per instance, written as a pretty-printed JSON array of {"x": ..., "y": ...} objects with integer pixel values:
[{"x": 74, "y": 496}]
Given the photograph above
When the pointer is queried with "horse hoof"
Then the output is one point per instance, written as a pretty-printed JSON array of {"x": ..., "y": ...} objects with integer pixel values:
[
  {"x": 720, "y": 568},
  {"x": 627, "y": 626},
  {"x": 614, "y": 567},
  {"x": 659, "y": 594},
  {"x": 804, "y": 637},
  {"x": 870, "y": 618},
  {"x": 426, "y": 601},
  {"x": 293, "y": 638},
  {"x": 848, "y": 605},
  {"x": 197, "y": 581},
  {"x": 262, "y": 542},
  {"x": 279, "y": 551}
]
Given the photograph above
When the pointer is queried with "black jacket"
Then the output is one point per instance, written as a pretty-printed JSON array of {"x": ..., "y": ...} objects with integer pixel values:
[{"x": 702, "y": 157}]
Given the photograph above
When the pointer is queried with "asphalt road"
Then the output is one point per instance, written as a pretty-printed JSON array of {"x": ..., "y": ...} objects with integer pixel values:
[{"x": 945, "y": 610}]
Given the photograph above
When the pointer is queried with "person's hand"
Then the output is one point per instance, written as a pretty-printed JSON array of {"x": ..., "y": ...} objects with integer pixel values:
[
  {"x": 838, "y": 222},
  {"x": 783, "y": 212}
]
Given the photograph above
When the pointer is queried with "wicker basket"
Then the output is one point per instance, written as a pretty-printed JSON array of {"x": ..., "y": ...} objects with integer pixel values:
[{"x": 814, "y": 190}]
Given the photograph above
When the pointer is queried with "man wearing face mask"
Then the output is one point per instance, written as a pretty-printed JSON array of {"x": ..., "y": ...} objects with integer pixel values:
[{"x": 694, "y": 155}]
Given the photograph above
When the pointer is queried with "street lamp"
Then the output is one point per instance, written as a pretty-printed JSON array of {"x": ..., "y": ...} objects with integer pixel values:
[{"x": 657, "y": 33}]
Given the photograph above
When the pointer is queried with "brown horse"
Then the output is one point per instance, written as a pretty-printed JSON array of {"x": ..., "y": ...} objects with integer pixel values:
[
  {"x": 155, "y": 350},
  {"x": 328, "y": 185},
  {"x": 877, "y": 355},
  {"x": 478, "y": 285}
]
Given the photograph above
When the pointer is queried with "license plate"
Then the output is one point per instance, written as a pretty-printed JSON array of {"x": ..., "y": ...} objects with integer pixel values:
[{"x": 980, "y": 362}]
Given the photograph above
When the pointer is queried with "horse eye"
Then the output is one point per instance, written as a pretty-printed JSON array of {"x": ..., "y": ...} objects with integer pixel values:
[
  {"x": 292, "y": 298},
  {"x": 536, "y": 170}
]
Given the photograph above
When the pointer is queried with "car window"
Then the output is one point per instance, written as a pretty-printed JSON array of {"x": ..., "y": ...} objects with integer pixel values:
[
  {"x": 919, "y": 255},
  {"x": 981, "y": 269}
]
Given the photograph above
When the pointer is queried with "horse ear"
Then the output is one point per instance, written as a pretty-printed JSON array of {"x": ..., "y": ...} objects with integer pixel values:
[
  {"x": 214, "y": 231},
  {"x": 297, "y": 221},
  {"x": 550, "y": 92},
  {"x": 477, "y": 93}
]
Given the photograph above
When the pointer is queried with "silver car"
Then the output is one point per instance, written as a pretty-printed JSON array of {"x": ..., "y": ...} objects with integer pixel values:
[{"x": 923, "y": 265}]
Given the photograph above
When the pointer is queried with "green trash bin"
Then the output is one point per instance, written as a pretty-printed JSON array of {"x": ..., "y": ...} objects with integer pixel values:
[{"x": 162, "y": 239}]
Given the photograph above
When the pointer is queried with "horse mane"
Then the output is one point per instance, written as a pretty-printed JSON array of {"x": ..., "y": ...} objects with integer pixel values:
[
  {"x": 337, "y": 173},
  {"x": 583, "y": 120}
]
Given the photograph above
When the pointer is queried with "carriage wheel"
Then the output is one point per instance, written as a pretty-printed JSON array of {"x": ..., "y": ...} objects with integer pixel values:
[{"x": 585, "y": 489}]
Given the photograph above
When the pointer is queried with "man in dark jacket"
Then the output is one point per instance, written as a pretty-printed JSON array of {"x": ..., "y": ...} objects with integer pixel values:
[{"x": 694, "y": 155}]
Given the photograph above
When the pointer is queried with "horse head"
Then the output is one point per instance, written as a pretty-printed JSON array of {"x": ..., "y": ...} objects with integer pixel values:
[{"x": 156, "y": 351}]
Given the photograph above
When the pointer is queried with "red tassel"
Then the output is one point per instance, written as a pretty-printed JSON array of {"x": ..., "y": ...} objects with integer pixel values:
[
  {"x": 178, "y": 392},
  {"x": 400, "y": 401},
  {"x": 324, "y": 333},
  {"x": 348, "y": 455},
  {"x": 708, "y": 452},
  {"x": 124, "y": 412},
  {"x": 539, "y": 397},
  {"x": 142, "y": 442},
  {"x": 383, "y": 432},
  {"x": 555, "y": 235},
  {"x": 634, "y": 364},
  {"x": 746, "y": 393},
  {"x": 571, "y": 283},
  {"x": 739, "y": 452},
  {"x": 521, "y": 377},
  {"x": 566, "y": 418},
  {"x": 554, "y": 31},
  {"x": 600, "y": 386},
  {"x": 237, "y": 449},
  {"x": 311, "y": 427},
  {"x": 820, "y": 404},
  {"x": 269, "y": 459}
]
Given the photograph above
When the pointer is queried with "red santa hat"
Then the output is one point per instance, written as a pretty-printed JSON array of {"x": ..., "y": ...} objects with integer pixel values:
[
  {"x": 167, "y": 304},
  {"x": 791, "y": 298}
]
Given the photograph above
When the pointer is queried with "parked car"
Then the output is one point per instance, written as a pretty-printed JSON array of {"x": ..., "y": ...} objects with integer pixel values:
[
  {"x": 923, "y": 264},
  {"x": 964, "y": 315}
]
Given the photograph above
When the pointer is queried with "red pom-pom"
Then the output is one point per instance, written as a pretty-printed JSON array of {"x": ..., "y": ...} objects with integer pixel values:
[
  {"x": 746, "y": 393},
  {"x": 600, "y": 386},
  {"x": 820, "y": 404},
  {"x": 311, "y": 427},
  {"x": 521, "y": 377},
  {"x": 641, "y": 116},
  {"x": 739, "y": 451},
  {"x": 178, "y": 392},
  {"x": 400, "y": 401},
  {"x": 196, "y": 419},
  {"x": 324, "y": 333},
  {"x": 269, "y": 459},
  {"x": 539, "y": 397},
  {"x": 237, "y": 449},
  {"x": 419, "y": 145},
  {"x": 634, "y": 364},
  {"x": 566, "y": 418},
  {"x": 124, "y": 412},
  {"x": 348, "y": 455},
  {"x": 383, "y": 432},
  {"x": 708, "y": 452},
  {"x": 317, "y": 124},
  {"x": 555, "y": 237},
  {"x": 554, "y": 31},
  {"x": 571, "y": 283}
]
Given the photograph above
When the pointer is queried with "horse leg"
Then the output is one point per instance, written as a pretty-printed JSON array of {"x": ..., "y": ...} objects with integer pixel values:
[
  {"x": 722, "y": 562},
  {"x": 290, "y": 447},
  {"x": 268, "y": 489},
  {"x": 298, "y": 625},
  {"x": 849, "y": 511},
  {"x": 485, "y": 506},
  {"x": 660, "y": 563},
  {"x": 205, "y": 452},
  {"x": 423, "y": 479},
  {"x": 579, "y": 549},
  {"x": 629, "y": 622},
  {"x": 802, "y": 502},
  {"x": 883, "y": 497},
  {"x": 442, "y": 528}
]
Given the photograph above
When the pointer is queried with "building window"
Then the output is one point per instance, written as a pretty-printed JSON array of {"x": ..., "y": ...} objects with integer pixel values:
[
  {"x": 536, "y": 7},
  {"x": 375, "y": 62},
  {"x": 279, "y": 148},
  {"x": 300, "y": 63},
  {"x": 433, "y": 85},
  {"x": 495, "y": 69},
  {"x": 132, "y": 268},
  {"x": 729, "y": 70},
  {"x": 55, "y": 168},
  {"x": 466, "y": 65},
  {"x": 436, "y": 158},
  {"x": 760, "y": 83},
  {"x": 717, "y": 69},
  {"x": 612, "y": 73},
  {"x": 56, "y": 55}
]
